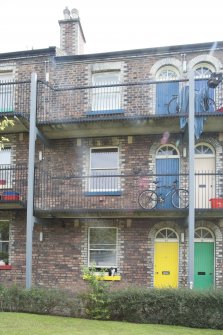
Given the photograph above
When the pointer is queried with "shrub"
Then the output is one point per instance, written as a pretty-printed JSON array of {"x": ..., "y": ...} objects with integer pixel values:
[
  {"x": 191, "y": 308},
  {"x": 39, "y": 301},
  {"x": 96, "y": 300}
]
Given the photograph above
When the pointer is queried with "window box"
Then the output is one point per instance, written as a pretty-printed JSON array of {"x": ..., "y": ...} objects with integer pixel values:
[
  {"x": 5, "y": 267},
  {"x": 106, "y": 277}
]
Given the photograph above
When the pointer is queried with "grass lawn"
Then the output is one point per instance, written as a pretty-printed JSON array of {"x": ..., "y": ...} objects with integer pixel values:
[{"x": 31, "y": 324}]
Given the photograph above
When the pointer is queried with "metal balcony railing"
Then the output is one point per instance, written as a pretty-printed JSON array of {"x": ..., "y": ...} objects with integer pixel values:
[
  {"x": 133, "y": 99},
  {"x": 15, "y": 97},
  {"x": 149, "y": 98},
  {"x": 13, "y": 183},
  {"x": 121, "y": 192}
]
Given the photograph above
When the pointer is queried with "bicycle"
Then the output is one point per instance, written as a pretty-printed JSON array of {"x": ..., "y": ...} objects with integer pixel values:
[
  {"x": 205, "y": 103},
  {"x": 148, "y": 199}
]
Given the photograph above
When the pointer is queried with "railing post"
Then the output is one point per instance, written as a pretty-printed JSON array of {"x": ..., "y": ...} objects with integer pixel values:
[
  {"x": 191, "y": 216},
  {"x": 30, "y": 191}
]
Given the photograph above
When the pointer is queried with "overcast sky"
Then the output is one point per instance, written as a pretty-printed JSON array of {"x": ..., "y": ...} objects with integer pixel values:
[{"x": 111, "y": 25}]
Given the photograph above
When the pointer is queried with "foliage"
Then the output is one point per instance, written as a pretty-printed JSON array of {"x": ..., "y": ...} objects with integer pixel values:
[
  {"x": 39, "y": 301},
  {"x": 96, "y": 300},
  {"x": 5, "y": 123},
  {"x": 191, "y": 308}
]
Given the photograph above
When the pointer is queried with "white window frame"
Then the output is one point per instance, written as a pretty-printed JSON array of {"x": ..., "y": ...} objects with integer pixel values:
[
  {"x": 5, "y": 170},
  {"x": 115, "y": 168},
  {"x": 98, "y": 266},
  {"x": 2, "y": 242},
  {"x": 6, "y": 92},
  {"x": 106, "y": 98}
]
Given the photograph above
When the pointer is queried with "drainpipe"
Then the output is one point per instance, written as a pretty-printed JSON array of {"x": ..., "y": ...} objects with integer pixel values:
[
  {"x": 30, "y": 191},
  {"x": 191, "y": 214}
]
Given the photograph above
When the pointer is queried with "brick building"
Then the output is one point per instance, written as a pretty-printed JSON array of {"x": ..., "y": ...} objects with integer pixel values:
[{"x": 91, "y": 132}]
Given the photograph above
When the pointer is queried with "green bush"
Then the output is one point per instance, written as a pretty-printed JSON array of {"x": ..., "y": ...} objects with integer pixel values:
[
  {"x": 96, "y": 300},
  {"x": 39, "y": 301},
  {"x": 191, "y": 308}
]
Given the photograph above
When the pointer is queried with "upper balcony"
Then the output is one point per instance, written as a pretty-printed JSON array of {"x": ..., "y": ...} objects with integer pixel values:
[{"x": 112, "y": 109}]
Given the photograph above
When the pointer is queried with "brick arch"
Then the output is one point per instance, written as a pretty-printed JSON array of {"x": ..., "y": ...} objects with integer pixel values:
[
  {"x": 166, "y": 62},
  {"x": 212, "y": 227},
  {"x": 209, "y": 59},
  {"x": 216, "y": 146}
]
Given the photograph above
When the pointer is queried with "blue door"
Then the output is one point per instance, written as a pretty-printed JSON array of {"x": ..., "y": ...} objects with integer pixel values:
[
  {"x": 167, "y": 170},
  {"x": 164, "y": 93}
]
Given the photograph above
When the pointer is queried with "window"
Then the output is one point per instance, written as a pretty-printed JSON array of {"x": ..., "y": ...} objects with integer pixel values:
[
  {"x": 105, "y": 168},
  {"x": 102, "y": 247},
  {"x": 4, "y": 241},
  {"x": 107, "y": 97},
  {"x": 6, "y": 92},
  {"x": 5, "y": 168}
]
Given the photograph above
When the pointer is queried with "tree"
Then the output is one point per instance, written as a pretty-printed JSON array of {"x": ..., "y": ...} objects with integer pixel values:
[{"x": 5, "y": 123}]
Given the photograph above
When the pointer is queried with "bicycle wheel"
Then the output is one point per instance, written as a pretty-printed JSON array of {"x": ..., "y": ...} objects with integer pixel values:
[
  {"x": 208, "y": 105},
  {"x": 180, "y": 198},
  {"x": 173, "y": 106},
  {"x": 148, "y": 199}
]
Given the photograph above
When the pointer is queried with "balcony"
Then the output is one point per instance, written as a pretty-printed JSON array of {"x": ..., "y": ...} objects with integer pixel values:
[
  {"x": 13, "y": 186},
  {"x": 70, "y": 196},
  {"x": 15, "y": 104},
  {"x": 122, "y": 108},
  {"x": 110, "y": 110}
]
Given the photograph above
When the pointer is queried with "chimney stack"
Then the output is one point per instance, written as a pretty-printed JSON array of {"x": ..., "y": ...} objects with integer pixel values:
[{"x": 72, "y": 38}]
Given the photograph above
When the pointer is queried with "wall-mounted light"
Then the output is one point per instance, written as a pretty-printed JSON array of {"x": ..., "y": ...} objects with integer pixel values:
[
  {"x": 184, "y": 152},
  {"x": 41, "y": 236},
  {"x": 40, "y": 155},
  {"x": 182, "y": 237}
]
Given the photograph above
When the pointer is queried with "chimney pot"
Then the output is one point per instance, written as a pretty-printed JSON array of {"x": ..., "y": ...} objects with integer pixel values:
[
  {"x": 74, "y": 13},
  {"x": 66, "y": 13}
]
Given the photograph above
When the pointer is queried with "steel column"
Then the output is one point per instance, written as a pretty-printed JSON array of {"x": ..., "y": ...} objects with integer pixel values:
[
  {"x": 30, "y": 191},
  {"x": 191, "y": 216}
]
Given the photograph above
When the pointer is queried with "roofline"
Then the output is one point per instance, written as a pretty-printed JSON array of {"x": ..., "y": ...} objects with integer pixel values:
[
  {"x": 140, "y": 52},
  {"x": 29, "y": 53}
]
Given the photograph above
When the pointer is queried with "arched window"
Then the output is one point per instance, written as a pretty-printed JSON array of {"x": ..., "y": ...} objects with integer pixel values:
[
  {"x": 165, "y": 89},
  {"x": 204, "y": 150},
  {"x": 166, "y": 235},
  {"x": 203, "y": 235},
  {"x": 203, "y": 71},
  {"x": 167, "y": 151}
]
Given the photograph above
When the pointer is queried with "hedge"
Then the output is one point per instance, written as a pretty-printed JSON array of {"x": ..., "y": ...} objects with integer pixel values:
[
  {"x": 184, "y": 307},
  {"x": 190, "y": 308}
]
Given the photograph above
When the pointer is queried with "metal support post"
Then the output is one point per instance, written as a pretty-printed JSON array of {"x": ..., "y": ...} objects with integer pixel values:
[
  {"x": 30, "y": 191},
  {"x": 191, "y": 216}
]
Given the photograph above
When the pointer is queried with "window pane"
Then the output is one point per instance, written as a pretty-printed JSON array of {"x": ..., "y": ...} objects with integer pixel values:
[
  {"x": 103, "y": 236},
  {"x": 104, "y": 158},
  {"x": 102, "y": 245},
  {"x": 4, "y": 241}
]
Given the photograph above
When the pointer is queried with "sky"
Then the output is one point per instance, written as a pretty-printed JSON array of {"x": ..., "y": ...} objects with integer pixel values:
[{"x": 111, "y": 25}]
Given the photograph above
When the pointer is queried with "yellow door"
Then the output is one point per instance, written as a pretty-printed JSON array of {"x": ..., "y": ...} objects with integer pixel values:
[{"x": 166, "y": 264}]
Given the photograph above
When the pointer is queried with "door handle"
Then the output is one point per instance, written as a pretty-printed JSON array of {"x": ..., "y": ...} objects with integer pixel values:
[{"x": 156, "y": 273}]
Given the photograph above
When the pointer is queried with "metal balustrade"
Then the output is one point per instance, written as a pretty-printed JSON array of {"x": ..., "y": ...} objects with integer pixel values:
[
  {"x": 148, "y": 98},
  {"x": 103, "y": 192},
  {"x": 15, "y": 97},
  {"x": 118, "y": 192},
  {"x": 72, "y": 103},
  {"x": 13, "y": 183}
]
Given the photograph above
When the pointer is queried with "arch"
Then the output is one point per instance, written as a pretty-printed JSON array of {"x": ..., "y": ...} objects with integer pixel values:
[
  {"x": 168, "y": 62},
  {"x": 203, "y": 234},
  {"x": 205, "y": 59},
  {"x": 166, "y": 235},
  {"x": 203, "y": 148},
  {"x": 167, "y": 151}
]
